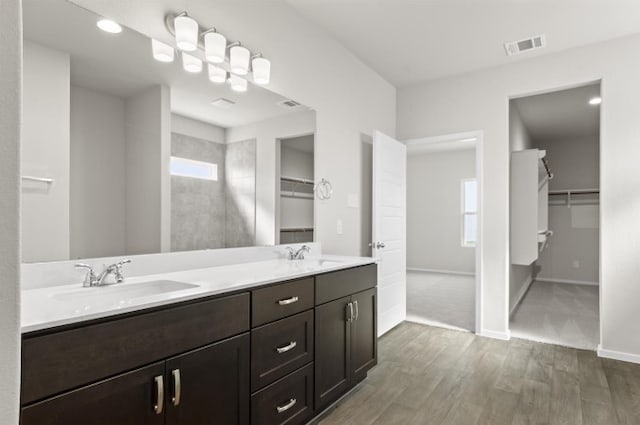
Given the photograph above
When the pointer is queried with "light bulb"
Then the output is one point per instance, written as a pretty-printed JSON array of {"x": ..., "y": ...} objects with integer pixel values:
[
  {"x": 239, "y": 60},
  {"x": 215, "y": 47},
  {"x": 186, "y": 29},
  {"x": 162, "y": 52},
  {"x": 261, "y": 71},
  {"x": 217, "y": 74},
  {"x": 191, "y": 63},
  {"x": 107, "y": 25},
  {"x": 238, "y": 84}
]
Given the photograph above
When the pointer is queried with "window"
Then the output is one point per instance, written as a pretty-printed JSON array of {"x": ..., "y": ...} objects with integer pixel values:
[
  {"x": 469, "y": 212},
  {"x": 195, "y": 169}
]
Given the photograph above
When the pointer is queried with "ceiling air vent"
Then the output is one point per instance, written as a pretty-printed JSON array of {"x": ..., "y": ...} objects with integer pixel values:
[
  {"x": 289, "y": 104},
  {"x": 223, "y": 103},
  {"x": 533, "y": 43}
]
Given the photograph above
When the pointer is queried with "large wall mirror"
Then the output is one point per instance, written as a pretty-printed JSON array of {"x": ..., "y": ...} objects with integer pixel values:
[{"x": 123, "y": 154}]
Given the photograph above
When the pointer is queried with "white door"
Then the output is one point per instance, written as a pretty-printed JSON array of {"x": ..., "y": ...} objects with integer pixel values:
[{"x": 389, "y": 229}]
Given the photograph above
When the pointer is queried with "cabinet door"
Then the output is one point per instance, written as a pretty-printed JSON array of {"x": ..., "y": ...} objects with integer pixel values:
[
  {"x": 332, "y": 363},
  {"x": 210, "y": 385},
  {"x": 127, "y": 399},
  {"x": 364, "y": 342}
]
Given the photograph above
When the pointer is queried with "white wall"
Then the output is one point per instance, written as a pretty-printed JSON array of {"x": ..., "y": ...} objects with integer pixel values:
[
  {"x": 199, "y": 129},
  {"x": 309, "y": 66},
  {"x": 148, "y": 148},
  {"x": 479, "y": 100},
  {"x": 573, "y": 250},
  {"x": 98, "y": 185},
  {"x": 10, "y": 118},
  {"x": 519, "y": 276},
  {"x": 45, "y": 153},
  {"x": 266, "y": 134},
  {"x": 434, "y": 210}
]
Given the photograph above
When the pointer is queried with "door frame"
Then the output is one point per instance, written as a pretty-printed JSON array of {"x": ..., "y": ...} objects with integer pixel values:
[{"x": 476, "y": 138}]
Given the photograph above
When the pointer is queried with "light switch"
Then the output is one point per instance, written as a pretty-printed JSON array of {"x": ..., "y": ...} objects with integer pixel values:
[
  {"x": 353, "y": 200},
  {"x": 340, "y": 229}
]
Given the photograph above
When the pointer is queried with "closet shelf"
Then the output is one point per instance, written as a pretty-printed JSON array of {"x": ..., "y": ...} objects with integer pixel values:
[
  {"x": 296, "y": 180},
  {"x": 297, "y": 195},
  {"x": 570, "y": 192},
  {"x": 296, "y": 229}
]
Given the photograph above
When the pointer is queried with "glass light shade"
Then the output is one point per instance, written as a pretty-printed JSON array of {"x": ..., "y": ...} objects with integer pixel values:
[
  {"x": 217, "y": 74},
  {"x": 261, "y": 71},
  {"x": 238, "y": 84},
  {"x": 215, "y": 47},
  {"x": 107, "y": 25},
  {"x": 162, "y": 52},
  {"x": 239, "y": 60},
  {"x": 186, "y": 33},
  {"x": 191, "y": 63}
]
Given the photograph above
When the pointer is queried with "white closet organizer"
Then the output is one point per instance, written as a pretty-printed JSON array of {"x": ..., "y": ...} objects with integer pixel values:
[{"x": 529, "y": 198}]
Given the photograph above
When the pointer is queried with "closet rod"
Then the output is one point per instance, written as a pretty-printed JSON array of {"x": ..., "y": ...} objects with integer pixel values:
[
  {"x": 296, "y": 180},
  {"x": 576, "y": 192}
]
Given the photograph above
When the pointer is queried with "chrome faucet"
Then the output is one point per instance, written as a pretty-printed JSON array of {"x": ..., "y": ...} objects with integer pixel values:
[
  {"x": 297, "y": 254},
  {"x": 92, "y": 279}
]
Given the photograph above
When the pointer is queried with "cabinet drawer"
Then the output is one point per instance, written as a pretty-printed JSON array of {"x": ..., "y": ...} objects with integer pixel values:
[
  {"x": 90, "y": 353},
  {"x": 286, "y": 299},
  {"x": 289, "y": 400},
  {"x": 331, "y": 286},
  {"x": 280, "y": 348}
]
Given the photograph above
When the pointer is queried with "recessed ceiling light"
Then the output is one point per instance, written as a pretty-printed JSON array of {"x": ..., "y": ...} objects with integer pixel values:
[
  {"x": 595, "y": 100},
  {"x": 107, "y": 25}
]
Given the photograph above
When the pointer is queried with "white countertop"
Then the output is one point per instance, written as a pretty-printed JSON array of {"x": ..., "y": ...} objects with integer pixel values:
[{"x": 49, "y": 307}]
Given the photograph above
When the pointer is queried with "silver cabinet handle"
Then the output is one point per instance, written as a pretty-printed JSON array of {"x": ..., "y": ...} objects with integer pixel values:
[
  {"x": 355, "y": 303},
  {"x": 287, "y": 347},
  {"x": 349, "y": 312},
  {"x": 287, "y": 406},
  {"x": 288, "y": 301},
  {"x": 159, "y": 406},
  {"x": 177, "y": 387}
]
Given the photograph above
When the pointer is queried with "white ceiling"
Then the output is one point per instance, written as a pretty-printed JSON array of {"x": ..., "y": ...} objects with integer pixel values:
[
  {"x": 408, "y": 41},
  {"x": 561, "y": 114},
  {"x": 122, "y": 65}
]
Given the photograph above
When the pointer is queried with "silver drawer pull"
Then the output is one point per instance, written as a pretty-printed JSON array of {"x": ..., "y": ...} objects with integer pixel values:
[
  {"x": 159, "y": 406},
  {"x": 287, "y": 406},
  {"x": 177, "y": 387},
  {"x": 287, "y": 347},
  {"x": 288, "y": 301}
]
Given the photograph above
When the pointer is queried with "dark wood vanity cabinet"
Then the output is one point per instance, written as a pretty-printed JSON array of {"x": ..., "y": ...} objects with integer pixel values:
[
  {"x": 277, "y": 355},
  {"x": 346, "y": 334},
  {"x": 211, "y": 382}
]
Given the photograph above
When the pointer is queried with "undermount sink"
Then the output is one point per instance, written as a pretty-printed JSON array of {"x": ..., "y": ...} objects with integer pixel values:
[
  {"x": 120, "y": 293},
  {"x": 322, "y": 262}
]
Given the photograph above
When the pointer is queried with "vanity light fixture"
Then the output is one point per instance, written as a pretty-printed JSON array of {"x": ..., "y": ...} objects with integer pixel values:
[
  {"x": 162, "y": 52},
  {"x": 189, "y": 38},
  {"x": 595, "y": 101},
  {"x": 238, "y": 84},
  {"x": 215, "y": 46},
  {"x": 191, "y": 63},
  {"x": 107, "y": 25},
  {"x": 261, "y": 70},
  {"x": 217, "y": 74},
  {"x": 239, "y": 59},
  {"x": 187, "y": 32}
]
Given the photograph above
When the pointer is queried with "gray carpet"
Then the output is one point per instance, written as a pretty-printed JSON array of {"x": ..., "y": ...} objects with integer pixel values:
[
  {"x": 559, "y": 313},
  {"x": 441, "y": 299}
]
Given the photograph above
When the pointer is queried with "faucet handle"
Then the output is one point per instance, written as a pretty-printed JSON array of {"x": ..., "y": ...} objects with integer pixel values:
[
  {"x": 118, "y": 270},
  {"x": 90, "y": 277}
]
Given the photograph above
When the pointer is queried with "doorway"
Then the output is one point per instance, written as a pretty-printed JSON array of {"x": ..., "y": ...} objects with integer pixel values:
[
  {"x": 442, "y": 231},
  {"x": 554, "y": 279}
]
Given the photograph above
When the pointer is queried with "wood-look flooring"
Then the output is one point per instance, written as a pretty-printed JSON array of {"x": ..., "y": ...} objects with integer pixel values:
[{"x": 430, "y": 375}]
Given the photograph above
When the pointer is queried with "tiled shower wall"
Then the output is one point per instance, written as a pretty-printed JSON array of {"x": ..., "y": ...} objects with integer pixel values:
[
  {"x": 240, "y": 178},
  {"x": 209, "y": 214}
]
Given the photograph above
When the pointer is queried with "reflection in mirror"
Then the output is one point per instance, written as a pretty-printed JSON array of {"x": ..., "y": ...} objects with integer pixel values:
[{"x": 144, "y": 157}]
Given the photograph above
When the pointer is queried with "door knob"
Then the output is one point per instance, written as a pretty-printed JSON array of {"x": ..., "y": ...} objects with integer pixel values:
[{"x": 377, "y": 245}]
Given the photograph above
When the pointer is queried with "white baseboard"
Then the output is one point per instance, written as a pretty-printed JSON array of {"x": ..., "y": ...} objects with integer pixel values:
[
  {"x": 418, "y": 269},
  {"x": 618, "y": 355},
  {"x": 569, "y": 281},
  {"x": 521, "y": 294},
  {"x": 505, "y": 336}
]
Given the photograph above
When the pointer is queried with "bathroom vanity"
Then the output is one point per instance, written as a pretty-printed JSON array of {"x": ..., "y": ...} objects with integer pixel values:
[{"x": 268, "y": 353}]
